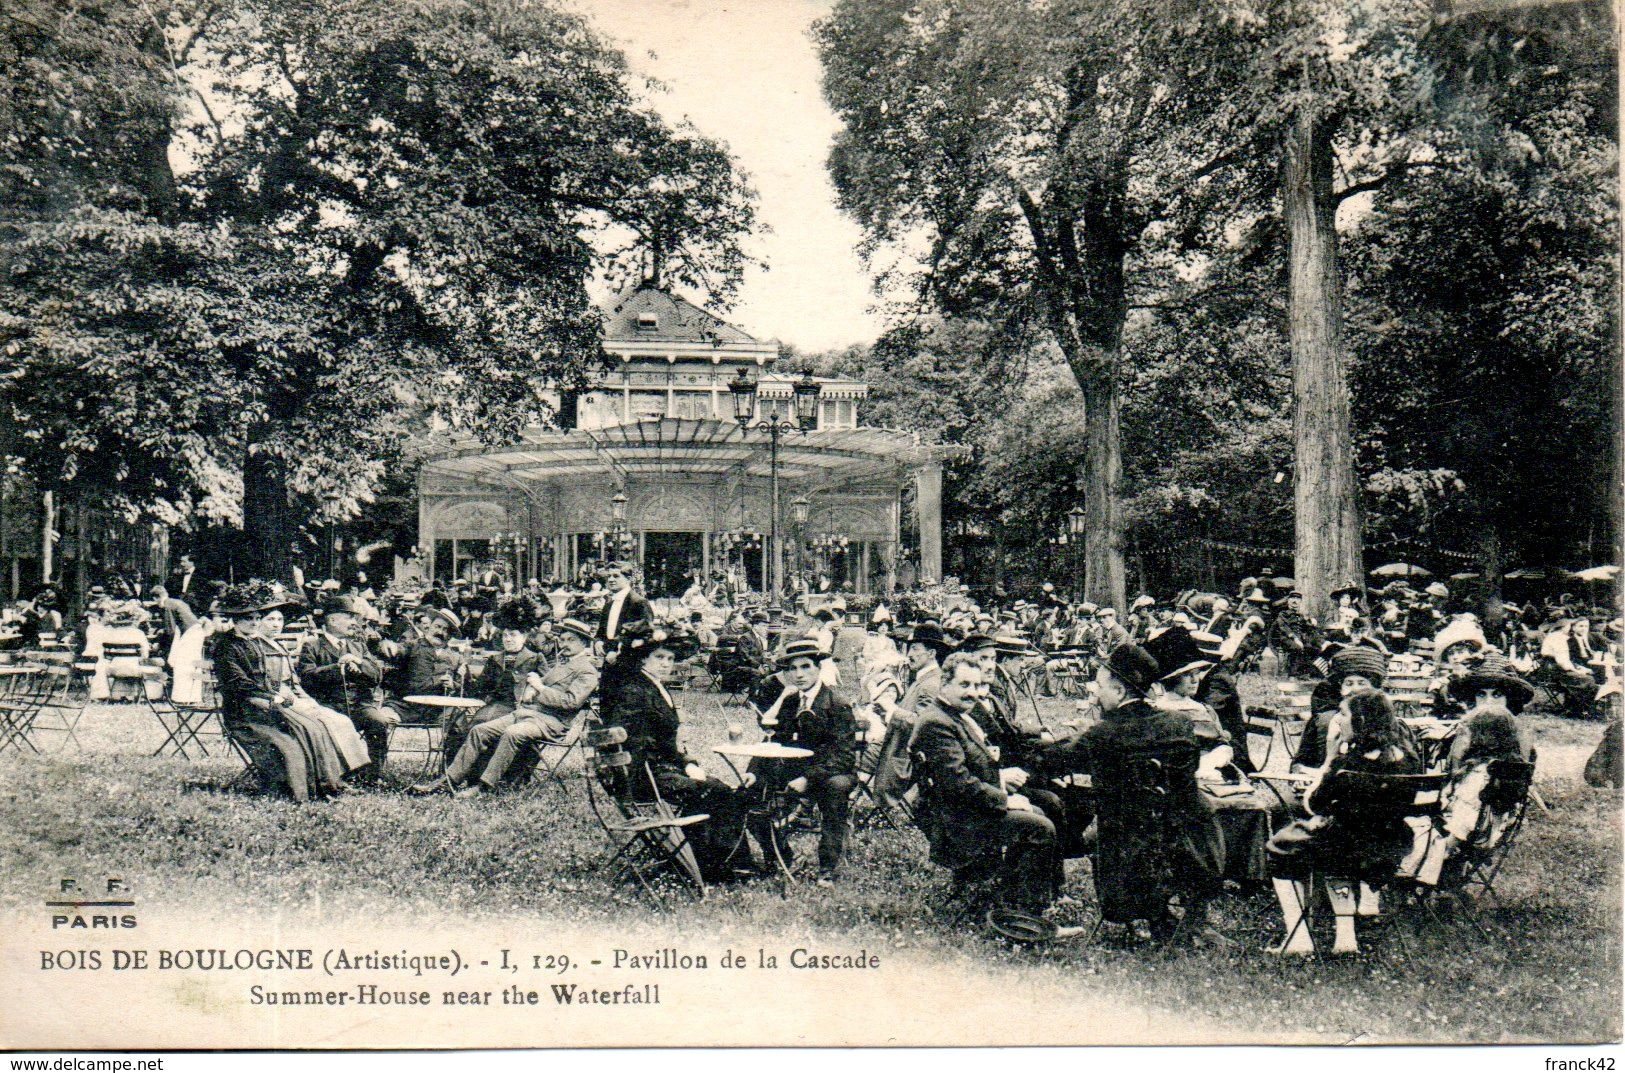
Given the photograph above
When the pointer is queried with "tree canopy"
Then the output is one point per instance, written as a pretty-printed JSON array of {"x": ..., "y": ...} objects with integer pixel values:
[{"x": 381, "y": 217}]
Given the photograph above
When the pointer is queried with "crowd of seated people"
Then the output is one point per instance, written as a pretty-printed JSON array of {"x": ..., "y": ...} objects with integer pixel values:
[{"x": 950, "y": 707}]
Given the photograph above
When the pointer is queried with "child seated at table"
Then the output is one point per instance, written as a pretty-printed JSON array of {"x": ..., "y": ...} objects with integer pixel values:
[{"x": 1494, "y": 694}]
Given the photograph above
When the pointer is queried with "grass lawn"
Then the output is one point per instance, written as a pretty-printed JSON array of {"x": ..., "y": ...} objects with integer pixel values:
[{"x": 110, "y": 809}]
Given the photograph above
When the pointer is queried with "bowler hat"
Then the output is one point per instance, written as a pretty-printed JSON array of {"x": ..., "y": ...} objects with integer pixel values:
[
  {"x": 928, "y": 634},
  {"x": 978, "y": 641},
  {"x": 336, "y": 605}
]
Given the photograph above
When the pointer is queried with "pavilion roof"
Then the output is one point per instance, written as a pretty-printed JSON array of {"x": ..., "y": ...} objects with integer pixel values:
[{"x": 683, "y": 447}]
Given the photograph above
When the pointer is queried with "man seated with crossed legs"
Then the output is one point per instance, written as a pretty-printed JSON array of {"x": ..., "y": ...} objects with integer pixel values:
[{"x": 550, "y": 701}]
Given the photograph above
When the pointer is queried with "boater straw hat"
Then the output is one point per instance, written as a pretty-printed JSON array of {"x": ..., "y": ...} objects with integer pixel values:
[
  {"x": 1012, "y": 644},
  {"x": 803, "y": 648},
  {"x": 577, "y": 627}
]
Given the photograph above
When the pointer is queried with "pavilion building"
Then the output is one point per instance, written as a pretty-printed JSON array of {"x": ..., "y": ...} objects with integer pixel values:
[{"x": 655, "y": 464}]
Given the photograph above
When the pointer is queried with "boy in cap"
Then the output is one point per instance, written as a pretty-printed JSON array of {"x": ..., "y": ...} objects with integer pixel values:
[{"x": 810, "y": 716}]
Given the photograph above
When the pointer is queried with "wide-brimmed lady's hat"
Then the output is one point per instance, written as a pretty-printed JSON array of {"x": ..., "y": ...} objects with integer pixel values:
[
  {"x": 1357, "y": 659},
  {"x": 1133, "y": 666},
  {"x": 256, "y": 597},
  {"x": 516, "y": 615},
  {"x": 1176, "y": 652},
  {"x": 1350, "y": 589},
  {"x": 679, "y": 642},
  {"x": 1494, "y": 671}
]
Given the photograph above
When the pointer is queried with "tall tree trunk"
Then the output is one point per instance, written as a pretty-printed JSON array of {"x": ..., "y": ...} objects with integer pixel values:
[
  {"x": 1491, "y": 562},
  {"x": 268, "y": 530},
  {"x": 1102, "y": 474},
  {"x": 1325, "y": 496}
]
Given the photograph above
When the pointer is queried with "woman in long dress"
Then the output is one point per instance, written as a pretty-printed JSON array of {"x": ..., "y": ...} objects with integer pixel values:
[
  {"x": 294, "y": 751},
  {"x": 186, "y": 683},
  {"x": 280, "y": 665}
]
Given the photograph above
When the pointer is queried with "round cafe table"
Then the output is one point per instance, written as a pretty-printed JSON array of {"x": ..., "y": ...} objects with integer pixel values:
[
  {"x": 431, "y": 701},
  {"x": 770, "y": 802},
  {"x": 434, "y": 760}
]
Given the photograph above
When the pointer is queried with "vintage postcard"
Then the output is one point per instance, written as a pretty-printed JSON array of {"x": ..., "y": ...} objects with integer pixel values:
[{"x": 808, "y": 523}]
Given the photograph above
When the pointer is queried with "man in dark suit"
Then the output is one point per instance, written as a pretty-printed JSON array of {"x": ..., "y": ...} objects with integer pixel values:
[
  {"x": 652, "y": 723},
  {"x": 808, "y": 716},
  {"x": 337, "y": 670},
  {"x": 626, "y": 620},
  {"x": 504, "y": 683},
  {"x": 970, "y": 819},
  {"x": 627, "y": 615},
  {"x": 1157, "y": 835}
]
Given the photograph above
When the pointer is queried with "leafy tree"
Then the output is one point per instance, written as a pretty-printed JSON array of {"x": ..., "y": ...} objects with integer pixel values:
[
  {"x": 1030, "y": 151},
  {"x": 1485, "y": 294},
  {"x": 393, "y": 215}
]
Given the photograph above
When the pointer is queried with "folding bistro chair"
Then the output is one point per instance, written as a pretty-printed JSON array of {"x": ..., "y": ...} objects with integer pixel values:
[
  {"x": 570, "y": 741},
  {"x": 867, "y": 809},
  {"x": 649, "y": 838},
  {"x": 1362, "y": 798},
  {"x": 24, "y": 690},
  {"x": 183, "y": 724},
  {"x": 426, "y": 734},
  {"x": 1469, "y": 876},
  {"x": 1285, "y": 724},
  {"x": 128, "y": 669}
]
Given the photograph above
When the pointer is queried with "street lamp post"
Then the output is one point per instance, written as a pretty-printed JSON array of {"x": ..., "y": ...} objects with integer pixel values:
[
  {"x": 800, "y": 507},
  {"x": 620, "y": 537},
  {"x": 807, "y": 390},
  {"x": 1074, "y": 527},
  {"x": 331, "y": 501}
]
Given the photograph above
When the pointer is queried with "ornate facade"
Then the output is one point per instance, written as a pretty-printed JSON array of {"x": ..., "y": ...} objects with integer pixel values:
[{"x": 654, "y": 466}]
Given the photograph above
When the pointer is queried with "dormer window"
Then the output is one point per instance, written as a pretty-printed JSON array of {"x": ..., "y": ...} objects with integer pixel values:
[{"x": 648, "y": 322}]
